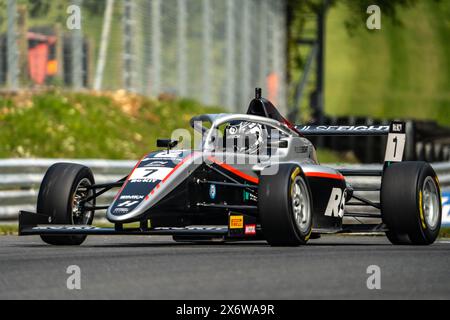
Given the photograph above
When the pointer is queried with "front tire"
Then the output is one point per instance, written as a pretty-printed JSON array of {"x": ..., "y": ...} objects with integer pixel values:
[
  {"x": 61, "y": 196},
  {"x": 411, "y": 203},
  {"x": 285, "y": 206}
]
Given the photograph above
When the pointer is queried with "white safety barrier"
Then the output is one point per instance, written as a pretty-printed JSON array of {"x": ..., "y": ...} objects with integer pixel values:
[{"x": 20, "y": 180}]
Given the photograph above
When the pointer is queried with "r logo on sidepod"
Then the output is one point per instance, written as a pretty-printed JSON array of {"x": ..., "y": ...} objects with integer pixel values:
[{"x": 336, "y": 204}]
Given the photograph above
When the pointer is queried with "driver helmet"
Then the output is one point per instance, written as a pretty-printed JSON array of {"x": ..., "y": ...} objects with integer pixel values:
[{"x": 245, "y": 137}]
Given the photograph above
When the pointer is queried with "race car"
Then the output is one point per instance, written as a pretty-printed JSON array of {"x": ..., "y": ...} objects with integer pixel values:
[{"x": 252, "y": 176}]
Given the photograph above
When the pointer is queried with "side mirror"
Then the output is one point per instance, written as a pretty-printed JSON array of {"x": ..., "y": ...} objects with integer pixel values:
[{"x": 166, "y": 143}]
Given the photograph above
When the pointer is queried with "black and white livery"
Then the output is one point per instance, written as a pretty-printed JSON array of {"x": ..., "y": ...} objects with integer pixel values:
[{"x": 254, "y": 176}]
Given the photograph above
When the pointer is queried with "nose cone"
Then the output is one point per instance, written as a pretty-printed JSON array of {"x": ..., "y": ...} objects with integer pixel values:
[{"x": 147, "y": 180}]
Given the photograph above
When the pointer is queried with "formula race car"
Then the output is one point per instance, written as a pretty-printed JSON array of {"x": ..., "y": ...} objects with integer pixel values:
[{"x": 252, "y": 176}]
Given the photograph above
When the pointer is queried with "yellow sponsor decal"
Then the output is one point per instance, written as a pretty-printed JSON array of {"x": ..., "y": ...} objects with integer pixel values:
[
  {"x": 236, "y": 222},
  {"x": 422, "y": 216}
]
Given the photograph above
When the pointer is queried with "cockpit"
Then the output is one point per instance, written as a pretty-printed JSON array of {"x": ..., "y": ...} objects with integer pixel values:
[{"x": 254, "y": 133}]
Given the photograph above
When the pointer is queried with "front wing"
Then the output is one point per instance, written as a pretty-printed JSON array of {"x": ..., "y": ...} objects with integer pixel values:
[
  {"x": 241, "y": 227},
  {"x": 36, "y": 224}
]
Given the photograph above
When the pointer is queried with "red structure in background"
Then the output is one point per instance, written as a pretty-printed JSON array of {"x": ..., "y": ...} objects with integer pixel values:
[
  {"x": 273, "y": 86},
  {"x": 42, "y": 62}
]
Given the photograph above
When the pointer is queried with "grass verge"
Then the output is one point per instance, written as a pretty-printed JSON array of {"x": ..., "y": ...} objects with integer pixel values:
[
  {"x": 116, "y": 125},
  {"x": 112, "y": 125}
]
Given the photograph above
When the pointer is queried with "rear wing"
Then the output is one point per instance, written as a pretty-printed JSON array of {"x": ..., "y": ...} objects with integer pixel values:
[
  {"x": 346, "y": 131},
  {"x": 396, "y": 133}
]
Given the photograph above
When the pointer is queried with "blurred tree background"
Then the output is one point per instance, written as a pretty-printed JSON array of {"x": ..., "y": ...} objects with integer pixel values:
[
  {"x": 402, "y": 70},
  {"x": 40, "y": 11}
]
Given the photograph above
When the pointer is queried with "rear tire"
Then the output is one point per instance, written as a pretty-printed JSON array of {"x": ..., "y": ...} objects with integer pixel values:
[
  {"x": 62, "y": 189},
  {"x": 411, "y": 203},
  {"x": 285, "y": 206}
]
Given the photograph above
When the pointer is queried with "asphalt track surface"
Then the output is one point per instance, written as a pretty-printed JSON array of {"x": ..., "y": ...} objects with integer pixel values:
[{"x": 157, "y": 268}]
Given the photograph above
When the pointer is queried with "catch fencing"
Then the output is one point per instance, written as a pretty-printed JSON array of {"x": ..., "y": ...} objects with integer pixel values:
[
  {"x": 215, "y": 51},
  {"x": 20, "y": 180}
]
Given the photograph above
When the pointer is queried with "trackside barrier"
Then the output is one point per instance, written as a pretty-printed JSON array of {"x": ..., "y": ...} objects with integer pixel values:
[{"x": 20, "y": 180}]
